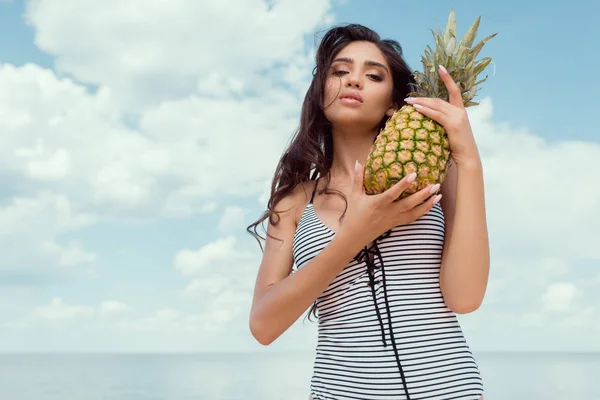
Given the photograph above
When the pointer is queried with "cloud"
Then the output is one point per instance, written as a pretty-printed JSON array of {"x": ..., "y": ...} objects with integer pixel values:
[
  {"x": 70, "y": 254},
  {"x": 111, "y": 307},
  {"x": 542, "y": 222},
  {"x": 534, "y": 201},
  {"x": 232, "y": 220},
  {"x": 224, "y": 310},
  {"x": 88, "y": 166},
  {"x": 151, "y": 119},
  {"x": 59, "y": 310},
  {"x": 163, "y": 319},
  {"x": 30, "y": 233},
  {"x": 222, "y": 274},
  {"x": 170, "y": 50},
  {"x": 216, "y": 255},
  {"x": 559, "y": 296},
  {"x": 41, "y": 214}
]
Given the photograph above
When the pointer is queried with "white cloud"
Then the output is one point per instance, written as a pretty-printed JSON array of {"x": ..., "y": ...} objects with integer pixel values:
[
  {"x": 185, "y": 154},
  {"x": 59, "y": 310},
  {"x": 89, "y": 166},
  {"x": 111, "y": 307},
  {"x": 151, "y": 141},
  {"x": 226, "y": 308},
  {"x": 213, "y": 257},
  {"x": 41, "y": 215},
  {"x": 559, "y": 296},
  {"x": 209, "y": 285},
  {"x": 70, "y": 254},
  {"x": 222, "y": 278},
  {"x": 30, "y": 228},
  {"x": 54, "y": 168},
  {"x": 232, "y": 220},
  {"x": 534, "y": 201},
  {"x": 163, "y": 320},
  {"x": 169, "y": 50}
]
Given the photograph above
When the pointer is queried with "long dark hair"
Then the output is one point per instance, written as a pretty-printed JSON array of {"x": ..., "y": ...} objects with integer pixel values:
[{"x": 310, "y": 152}]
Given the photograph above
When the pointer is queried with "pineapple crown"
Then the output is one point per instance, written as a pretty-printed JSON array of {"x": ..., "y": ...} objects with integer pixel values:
[{"x": 459, "y": 61}]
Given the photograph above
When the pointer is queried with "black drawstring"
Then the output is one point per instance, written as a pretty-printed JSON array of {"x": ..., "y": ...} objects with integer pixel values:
[{"x": 364, "y": 255}]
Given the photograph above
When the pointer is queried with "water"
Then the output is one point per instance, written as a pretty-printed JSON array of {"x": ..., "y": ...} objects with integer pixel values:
[{"x": 263, "y": 376}]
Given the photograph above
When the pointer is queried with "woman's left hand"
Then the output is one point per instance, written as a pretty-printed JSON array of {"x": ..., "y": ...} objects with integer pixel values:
[{"x": 452, "y": 116}]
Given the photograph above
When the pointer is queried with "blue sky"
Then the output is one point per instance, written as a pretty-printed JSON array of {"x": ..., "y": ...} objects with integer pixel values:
[{"x": 123, "y": 208}]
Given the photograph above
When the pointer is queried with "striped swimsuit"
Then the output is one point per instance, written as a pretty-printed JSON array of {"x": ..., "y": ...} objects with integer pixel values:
[{"x": 363, "y": 354}]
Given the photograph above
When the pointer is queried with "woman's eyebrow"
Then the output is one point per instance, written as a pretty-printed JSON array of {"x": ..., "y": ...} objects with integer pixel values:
[{"x": 368, "y": 63}]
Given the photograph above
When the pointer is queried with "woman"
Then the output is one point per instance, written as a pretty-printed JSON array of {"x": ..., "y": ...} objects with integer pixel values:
[{"x": 386, "y": 277}]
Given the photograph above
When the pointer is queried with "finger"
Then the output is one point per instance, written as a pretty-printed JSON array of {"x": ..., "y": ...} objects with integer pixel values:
[
  {"x": 358, "y": 181},
  {"x": 453, "y": 89},
  {"x": 435, "y": 115},
  {"x": 393, "y": 193},
  {"x": 423, "y": 208},
  {"x": 417, "y": 198},
  {"x": 430, "y": 102}
]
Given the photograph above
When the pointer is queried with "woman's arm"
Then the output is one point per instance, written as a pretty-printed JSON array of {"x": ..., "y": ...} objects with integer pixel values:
[
  {"x": 280, "y": 298},
  {"x": 466, "y": 259}
]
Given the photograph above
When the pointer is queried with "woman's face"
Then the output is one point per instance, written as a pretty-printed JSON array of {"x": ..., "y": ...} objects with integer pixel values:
[{"x": 361, "y": 70}]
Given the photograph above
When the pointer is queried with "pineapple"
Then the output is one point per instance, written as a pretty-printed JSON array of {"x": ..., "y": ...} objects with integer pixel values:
[{"x": 411, "y": 142}]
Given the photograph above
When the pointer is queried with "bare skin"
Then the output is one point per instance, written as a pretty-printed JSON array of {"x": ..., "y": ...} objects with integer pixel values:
[{"x": 280, "y": 297}]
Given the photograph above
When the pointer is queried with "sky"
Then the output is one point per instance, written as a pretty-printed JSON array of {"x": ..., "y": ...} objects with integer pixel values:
[{"x": 138, "y": 140}]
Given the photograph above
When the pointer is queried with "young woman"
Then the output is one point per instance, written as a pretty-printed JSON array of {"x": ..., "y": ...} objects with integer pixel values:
[{"x": 385, "y": 277}]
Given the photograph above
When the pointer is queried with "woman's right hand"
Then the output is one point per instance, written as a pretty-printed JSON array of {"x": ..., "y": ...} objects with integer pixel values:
[{"x": 368, "y": 216}]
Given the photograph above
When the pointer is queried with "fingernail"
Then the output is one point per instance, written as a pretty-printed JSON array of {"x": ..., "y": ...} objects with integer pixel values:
[
  {"x": 409, "y": 99},
  {"x": 411, "y": 177},
  {"x": 443, "y": 69},
  {"x": 417, "y": 106},
  {"x": 434, "y": 188},
  {"x": 356, "y": 166},
  {"x": 437, "y": 198}
]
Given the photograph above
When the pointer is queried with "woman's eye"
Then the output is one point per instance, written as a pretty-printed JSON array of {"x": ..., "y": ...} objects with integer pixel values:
[{"x": 375, "y": 77}]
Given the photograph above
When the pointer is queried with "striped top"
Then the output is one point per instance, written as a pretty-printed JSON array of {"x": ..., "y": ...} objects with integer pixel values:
[{"x": 362, "y": 353}]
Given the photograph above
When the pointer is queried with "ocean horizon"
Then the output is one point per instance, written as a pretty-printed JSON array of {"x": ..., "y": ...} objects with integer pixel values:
[{"x": 262, "y": 375}]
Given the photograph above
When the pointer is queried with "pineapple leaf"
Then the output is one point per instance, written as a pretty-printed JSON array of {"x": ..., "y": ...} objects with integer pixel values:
[
  {"x": 469, "y": 36},
  {"x": 450, "y": 31},
  {"x": 475, "y": 50},
  {"x": 481, "y": 65},
  {"x": 439, "y": 44},
  {"x": 450, "y": 46},
  {"x": 480, "y": 81},
  {"x": 458, "y": 58}
]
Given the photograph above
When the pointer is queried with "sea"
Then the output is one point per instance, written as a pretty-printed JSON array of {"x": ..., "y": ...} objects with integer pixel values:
[{"x": 263, "y": 376}]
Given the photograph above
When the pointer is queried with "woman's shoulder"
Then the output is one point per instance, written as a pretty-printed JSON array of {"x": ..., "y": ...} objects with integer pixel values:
[{"x": 297, "y": 199}]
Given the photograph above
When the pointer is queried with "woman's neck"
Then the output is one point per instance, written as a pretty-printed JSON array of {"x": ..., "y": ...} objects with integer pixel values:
[{"x": 348, "y": 146}]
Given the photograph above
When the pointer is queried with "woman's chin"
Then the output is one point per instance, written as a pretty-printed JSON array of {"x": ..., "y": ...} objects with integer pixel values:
[{"x": 353, "y": 120}]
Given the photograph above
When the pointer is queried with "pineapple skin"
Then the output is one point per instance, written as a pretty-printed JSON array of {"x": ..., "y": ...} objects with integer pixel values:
[{"x": 410, "y": 142}]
